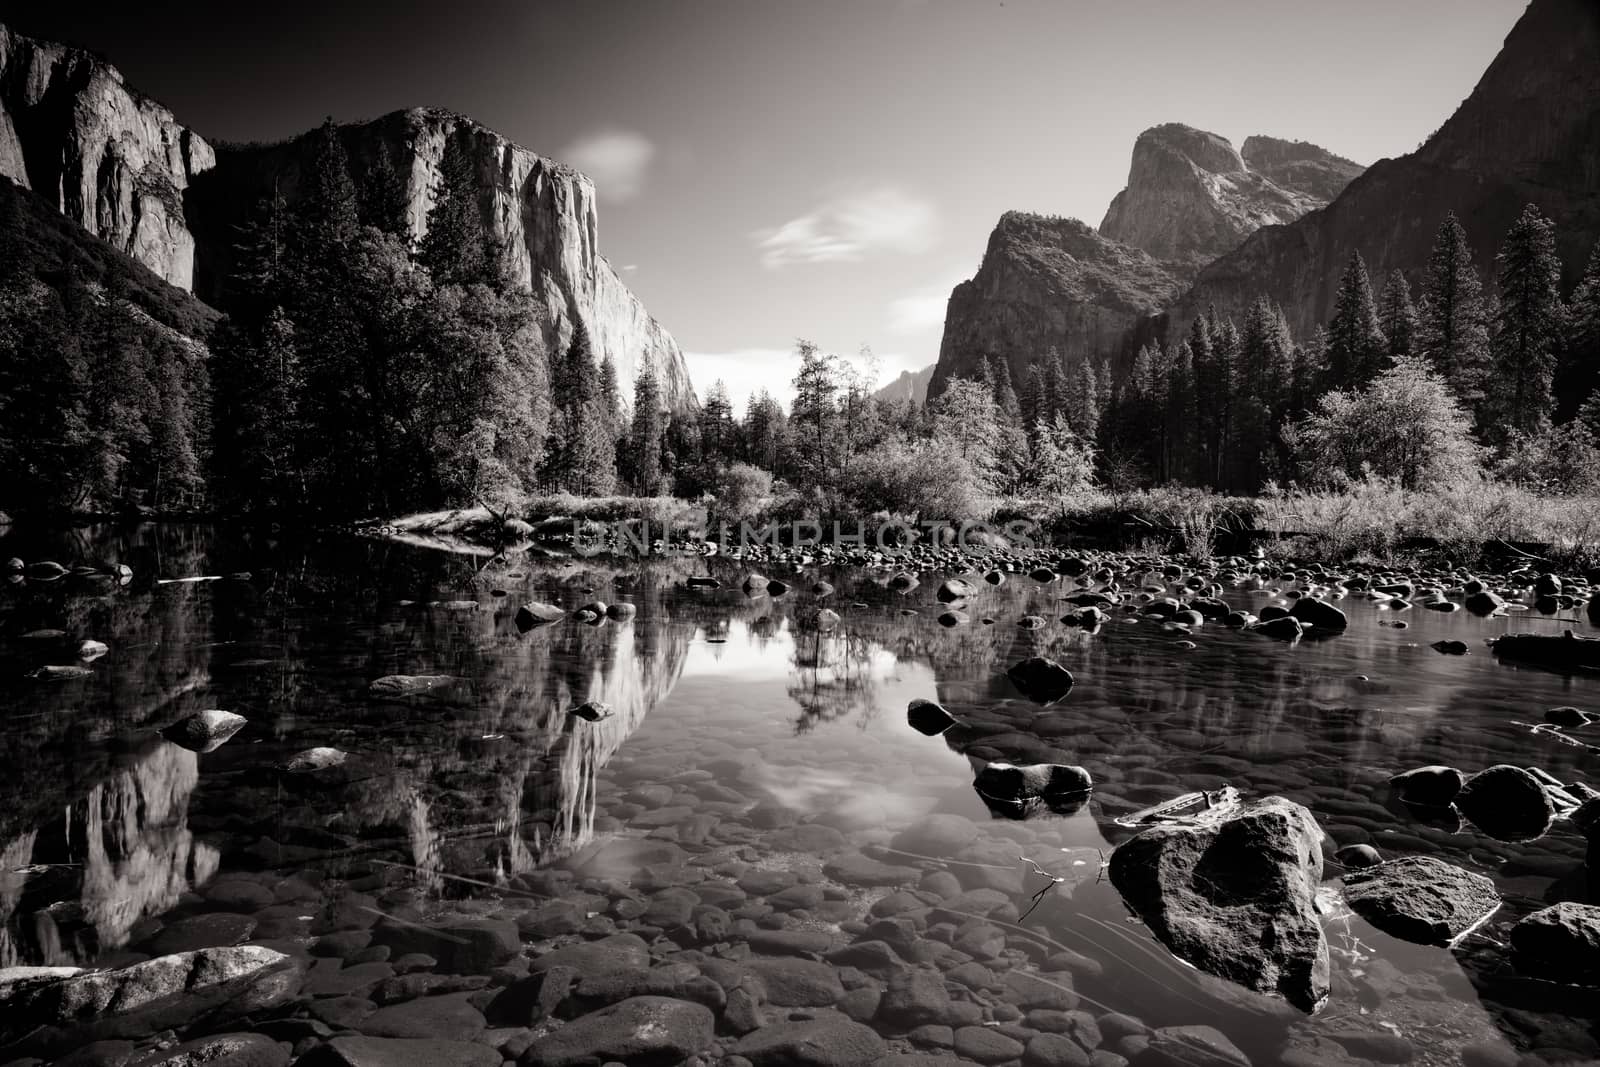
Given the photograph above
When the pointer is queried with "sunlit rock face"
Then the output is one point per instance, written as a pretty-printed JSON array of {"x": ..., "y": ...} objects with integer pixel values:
[
  {"x": 123, "y": 167},
  {"x": 130, "y": 854},
  {"x": 542, "y": 214},
  {"x": 1192, "y": 196},
  {"x": 1528, "y": 133},
  {"x": 112, "y": 160}
]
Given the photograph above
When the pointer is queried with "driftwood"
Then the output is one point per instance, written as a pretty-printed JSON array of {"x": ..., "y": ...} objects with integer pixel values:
[{"x": 1568, "y": 650}]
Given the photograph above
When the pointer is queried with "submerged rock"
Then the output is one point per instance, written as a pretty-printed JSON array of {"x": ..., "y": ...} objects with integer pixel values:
[
  {"x": 355, "y": 1051},
  {"x": 1421, "y": 899},
  {"x": 1038, "y": 781},
  {"x": 59, "y": 673},
  {"x": 621, "y": 612},
  {"x": 1434, "y": 786},
  {"x": 1044, "y": 681},
  {"x": 1235, "y": 895},
  {"x": 1281, "y": 628},
  {"x": 204, "y": 731},
  {"x": 1568, "y": 717},
  {"x": 833, "y": 1041},
  {"x": 1190, "y": 1046}
]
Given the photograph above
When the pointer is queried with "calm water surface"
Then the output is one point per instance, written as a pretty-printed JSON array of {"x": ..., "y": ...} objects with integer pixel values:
[{"x": 735, "y": 724}]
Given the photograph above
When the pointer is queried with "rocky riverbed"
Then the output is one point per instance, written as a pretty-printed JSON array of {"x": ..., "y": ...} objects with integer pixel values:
[{"x": 357, "y": 804}]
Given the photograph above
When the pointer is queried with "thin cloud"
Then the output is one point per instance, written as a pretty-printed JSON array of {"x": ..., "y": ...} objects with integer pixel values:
[
  {"x": 924, "y": 308},
  {"x": 617, "y": 161},
  {"x": 849, "y": 227}
]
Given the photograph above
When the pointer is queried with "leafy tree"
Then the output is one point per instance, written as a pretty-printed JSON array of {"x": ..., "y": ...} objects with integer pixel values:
[
  {"x": 1064, "y": 458},
  {"x": 1454, "y": 335},
  {"x": 1530, "y": 323},
  {"x": 1356, "y": 345},
  {"x": 1397, "y": 317},
  {"x": 966, "y": 416},
  {"x": 1557, "y": 461},
  {"x": 1405, "y": 426}
]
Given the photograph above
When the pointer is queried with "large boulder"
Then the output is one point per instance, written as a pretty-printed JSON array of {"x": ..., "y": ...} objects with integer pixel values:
[
  {"x": 1560, "y": 942},
  {"x": 1033, "y": 781},
  {"x": 1043, "y": 681},
  {"x": 1319, "y": 614},
  {"x": 1435, "y": 786},
  {"x": 929, "y": 717},
  {"x": 1421, "y": 899},
  {"x": 834, "y": 1041},
  {"x": 1235, "y": 895},
  {"x": 535, "y": 614},
  {"x": 45, "y": 1011},
  {"x": 1507, "y": 802},
  {"x": 636, "y": 1030}
]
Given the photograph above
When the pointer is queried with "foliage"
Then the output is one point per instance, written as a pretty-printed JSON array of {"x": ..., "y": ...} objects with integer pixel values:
[{"x": 742, "y": 494}]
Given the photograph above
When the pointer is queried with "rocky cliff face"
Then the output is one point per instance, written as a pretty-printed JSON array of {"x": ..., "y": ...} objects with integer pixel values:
[
  {"x": 1529, "y": 132},
  {"x": 1049, "y": 282},
  {"x": 110, "y": 159},
  {"x": 122, "y": 167},
  {"x": 910, "y": 385},
  {"x": 1192, "y": 196}
]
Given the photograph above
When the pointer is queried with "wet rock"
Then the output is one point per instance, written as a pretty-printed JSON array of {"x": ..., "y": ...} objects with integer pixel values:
[
  {"x": 1054, "y": 1050},
  {"x": 949, "y": 619},
  {"x": 1568, "y": 717},
  {"x": 1560, "y": 942},
  {"x": 1421, "y": 899},
  {"x": 449, "y": 1017},
  {"x": 59, "y": 673},
  {"x": 1009, "y": 782},
  {"x": 462, "y": 946},
  {"x": 955, "y": 589},
  {"x": 621, "y": 612},
  {"x": 777, "y": 588},
  {"x": 400, "y": 686},
  {"x": 826, "y": 1042},
  {"x": 636, "y": 1030},
  {"x": 1032, "y": 622},
  {"x": 213, "y": 985},
  {"x": 1235, "y": 895},
  {"x": 1282, "y": 628},
  {"x": 45, "y": 570},
  {"x": 1043, "y": 681},
  {"x": 1190, "y": 1046},
  {"x": 915, "y": 997},
  {"x": 591, "y": 711},
  {"x": 204, "y": 731},
  {"x": 1507, "y": 802},
  {"x": 754, "y": 584},
  {"x": 1434, "y": 786},
  {"x": 1450, "y": 648},
  {"x": 1357, "y": 856},
  {"x": 350, "y": 1051},
  {"x": 528, "y": 1001},
  {"x": 1568, "y": 651},
  {"x": 92, "y": 650},
  {"x": 1484, "y": 603},
  {"x": 223, "y": 1050},
  {"x": 904, "y": 582},
  {"x": 1320, "y": 614},
  {"x": 534, "y": 614},
  {"x": 619, "y": 952},
  {"x": 316, "y": 759},
  {"x": 929, "y": 718},
  {"x": 207, "y": 930}
]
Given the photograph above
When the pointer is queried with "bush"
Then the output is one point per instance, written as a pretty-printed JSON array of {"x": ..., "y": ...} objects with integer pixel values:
[
  {"x": 921, "y": 479},
  {"x": 742, "y": 494}
]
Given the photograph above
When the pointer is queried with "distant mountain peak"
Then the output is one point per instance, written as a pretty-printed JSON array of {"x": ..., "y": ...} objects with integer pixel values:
[{"x": 1191, "y": 196}]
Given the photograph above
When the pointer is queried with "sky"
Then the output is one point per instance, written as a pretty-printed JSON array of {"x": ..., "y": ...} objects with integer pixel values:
[{"x": 772, "y": 170}]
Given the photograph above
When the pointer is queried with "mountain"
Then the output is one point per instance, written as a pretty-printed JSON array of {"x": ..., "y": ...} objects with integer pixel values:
[
  {"x": 1057, "y": 283},
  {"x": 1192, "y": 196},
  {"x": 912, "y": 384},
  {"x": 122, "y": 166},
  {"x": 1049, "y": 282},
  {"x": 1528, "y": 133}
]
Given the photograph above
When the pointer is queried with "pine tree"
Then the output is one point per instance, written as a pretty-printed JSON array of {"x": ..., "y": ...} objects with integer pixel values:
[
  {"x": 815, "y": 411},
  {"x": 1033, "y": 402},
  {"x": 1453, "y": 334},
  {"x": 1397, "y": 316},
  {"x": 1529, "y": 325},
  {"x": 327, "y": 209},
  {"x": 455, "y": 249},
  {"x": 1082, "y": 408},
  {"x": 1057, "y": 386},
  {"x": 1264, "y": 381},
  {"x": 1179, "y": 416},
  {"x": 262, "y": 259},
  {"x": 1578, "y": 376},
  {"x": 1356, "y": 345},
  {"x": 644, "y": 443},
  {"x": 1005, "y": 395},
  {"x": 383, "y": 202},
  {"x": 716, "y": 425},
  {"x": 610, "y": 395}
]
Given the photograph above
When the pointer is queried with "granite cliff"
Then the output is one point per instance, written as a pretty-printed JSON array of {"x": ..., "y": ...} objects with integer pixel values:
[
  {"x": 126, "y": 170},
  {"x": 1058, "y": 283},
  {"x": 1192, "y": 196},
  {"x": 1529, "y": 132},
  {"x": 1049, "y": 283}
]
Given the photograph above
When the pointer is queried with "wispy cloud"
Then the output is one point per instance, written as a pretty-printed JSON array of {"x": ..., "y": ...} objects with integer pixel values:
[
  {"x": 849, "y": 226},
  {"x": 616, "y": 159},
  {"x": 923, "y": 308}
]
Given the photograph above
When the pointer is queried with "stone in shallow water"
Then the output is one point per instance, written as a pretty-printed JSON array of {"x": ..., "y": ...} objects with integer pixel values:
[
  {"x": 1190, "y": 1046},
  {"x": 1507, "y": 802},
  {"x": 1433, "y": 786},
  {"x": 828, "y": 1042},
  {"x": 1235, "y": 896},
  {"x": 856, "y": 869},
  {"x": 207, "y": 930},
  {"x": 399, "y": 1052},
  {"x": 204, "y": 731},
  {"x": 1043, "y": 681},
  {"x": 798, "y": 983},
  {"x": 224, "y": 1050},
  {"x": 462, "y": 946},
  {"x": 1419, "y": 898},
  {"x": 450, "y": 1017},
  {"x": 636, "y": 1030},
  {"x": 1560, "y": 942},
  {"x": 619, "y": 952},
  {"x": 936, "y": 835}
]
